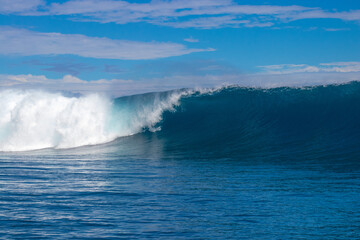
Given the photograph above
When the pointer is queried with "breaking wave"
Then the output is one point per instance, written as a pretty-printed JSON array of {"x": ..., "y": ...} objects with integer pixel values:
[
  {"x": 34, "y": 119},
  {"x": 230, "y": 119}
]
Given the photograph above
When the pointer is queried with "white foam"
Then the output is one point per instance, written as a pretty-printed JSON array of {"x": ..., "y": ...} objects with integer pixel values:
[{"x": 34, "y": 119}]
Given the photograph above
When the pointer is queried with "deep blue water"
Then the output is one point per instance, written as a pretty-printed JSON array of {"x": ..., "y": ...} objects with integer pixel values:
[{"x": 233, "y": 164}]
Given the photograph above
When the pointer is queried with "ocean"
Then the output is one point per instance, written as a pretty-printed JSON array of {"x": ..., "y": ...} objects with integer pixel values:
[{"x": 222, "y": 163}]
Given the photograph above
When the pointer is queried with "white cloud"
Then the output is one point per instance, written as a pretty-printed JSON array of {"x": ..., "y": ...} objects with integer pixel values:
[
  {"x": 191, "y": 39},
  {"x": 342, "y": 67},
  {"x": 352, "y": 15},
  {"x": 114, "y": 87},
  {"x": 301, "y": 79},
  {"x": 288, "y": 68},
  {"x": 19, "y": 6},
  {"x": 24, "y": 42},
  {"x": 207, "y": 22},
  {"x": 66, "y": 83},
  {"x": 175, "y": 13},
  {"x": 118, "y": 87},
  {"x": 336, "y": 29},
  {"x": 18, "y": 79},
  {"x": 203, "y": 14}
]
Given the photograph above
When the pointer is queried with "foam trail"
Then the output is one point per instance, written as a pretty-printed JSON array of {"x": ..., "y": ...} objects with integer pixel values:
[{"x": 34, "y": 119}]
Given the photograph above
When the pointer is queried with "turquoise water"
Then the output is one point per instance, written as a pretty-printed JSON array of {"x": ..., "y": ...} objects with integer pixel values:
[{"x": 231, "y": 164}]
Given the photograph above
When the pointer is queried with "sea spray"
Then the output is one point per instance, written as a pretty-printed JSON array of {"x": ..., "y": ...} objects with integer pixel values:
[{"x": 35, "y": 119}]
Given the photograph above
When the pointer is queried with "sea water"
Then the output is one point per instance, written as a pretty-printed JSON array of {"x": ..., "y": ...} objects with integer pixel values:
[{"x": 228, "y": 163}]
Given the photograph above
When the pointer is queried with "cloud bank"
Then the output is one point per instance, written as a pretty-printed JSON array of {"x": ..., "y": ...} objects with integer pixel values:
[
  {"x": 176, "y": 13},
  {"x": 14, "y": 41},
  {"x": 301, "y": 75},
  {"x": 340, "y": 67}
]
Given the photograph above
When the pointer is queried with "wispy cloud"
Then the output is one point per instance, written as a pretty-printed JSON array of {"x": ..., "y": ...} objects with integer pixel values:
[
  {"x": 340, "y": 67},
  {"x": 336, "y": 29},
  {"x": 289, "y": 68},
  {"x": 194, "y": 67},
  {"x": 118, "y": 87},
  {"x": 175, "y": 13},
  {"x": 20, "y": 6},
  {"x": 66, "y": 83},
  {"x": 114, "y": 87},
  {"x": 191, "y": 39},
  {"x": 18, "y": 41},
  {"x": 62, "y": 67},
  {"x": 211, "y": 22},
  {"x": 351, "y": 15},
  {"x": 343, "y": 67},
  {"x": 113, "y": 69}
]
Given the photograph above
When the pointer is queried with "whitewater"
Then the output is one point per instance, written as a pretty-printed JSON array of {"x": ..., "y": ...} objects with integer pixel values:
[{"x": 36, "y": 119}]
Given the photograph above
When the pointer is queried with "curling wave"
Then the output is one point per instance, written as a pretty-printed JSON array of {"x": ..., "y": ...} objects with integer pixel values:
[{"x": 231, "y": 120}]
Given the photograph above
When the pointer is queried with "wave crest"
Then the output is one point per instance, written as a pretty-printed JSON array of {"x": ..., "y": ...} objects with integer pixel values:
[
  {"x": 34, "y": 119},
  {"x": 240, "y": 119}
]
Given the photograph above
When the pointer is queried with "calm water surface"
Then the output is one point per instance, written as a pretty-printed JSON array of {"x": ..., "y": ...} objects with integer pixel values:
[{"x": 109, "y": 192}]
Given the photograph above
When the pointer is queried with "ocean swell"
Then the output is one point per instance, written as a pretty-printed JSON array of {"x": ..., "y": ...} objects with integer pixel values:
[
  {"x": 232, "y": 120},
  {"x": 320, "y": 121}
]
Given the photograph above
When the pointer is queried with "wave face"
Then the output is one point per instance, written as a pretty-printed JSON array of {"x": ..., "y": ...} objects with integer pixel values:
[
  {"x": 321, "y": 120},
  {"x": 316, "y": 122}
]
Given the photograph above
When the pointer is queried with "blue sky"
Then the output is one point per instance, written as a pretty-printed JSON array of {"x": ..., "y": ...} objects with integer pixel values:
[{"x": 123, "y": 47}]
